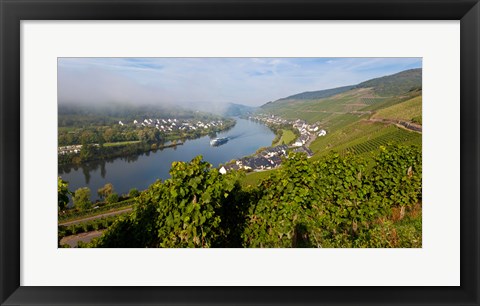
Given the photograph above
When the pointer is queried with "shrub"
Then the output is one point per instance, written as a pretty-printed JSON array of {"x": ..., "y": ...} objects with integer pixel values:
[
  {"x": 133, "y": 193},
  {"x": 81, "y": 199},
  {"x": 112, "y": 198}
]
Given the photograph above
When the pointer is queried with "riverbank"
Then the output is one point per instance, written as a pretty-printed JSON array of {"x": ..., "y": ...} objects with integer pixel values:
[{"x": 99, "y": 152}]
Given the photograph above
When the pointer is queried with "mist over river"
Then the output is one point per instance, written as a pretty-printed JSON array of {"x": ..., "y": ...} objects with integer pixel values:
[{"x": 140, "y": 171}]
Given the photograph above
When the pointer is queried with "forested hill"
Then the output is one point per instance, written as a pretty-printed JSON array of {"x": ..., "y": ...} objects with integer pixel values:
[
  {"x": 395, "y": 84},
  {"x": 386, "y": 86},
  {"x": 318, "y": 94},
  {"x": 234, "y": 109}
]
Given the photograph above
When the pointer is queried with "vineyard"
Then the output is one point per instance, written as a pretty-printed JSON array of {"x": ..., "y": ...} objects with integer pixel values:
[
  {"x": 371, "y": 101},
  {"x": 374, "y": 206},
  {"x": 92, "y": 225},
  {"x": 407, "y": 110},
  {"x": 397, "y": 137}
]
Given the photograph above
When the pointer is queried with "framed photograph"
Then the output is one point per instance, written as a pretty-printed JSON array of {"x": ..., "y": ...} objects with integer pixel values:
[{"x": 239, "y": 152}]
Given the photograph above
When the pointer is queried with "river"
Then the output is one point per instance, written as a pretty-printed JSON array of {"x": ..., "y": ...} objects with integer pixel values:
[{"x": 140, "y": 171}]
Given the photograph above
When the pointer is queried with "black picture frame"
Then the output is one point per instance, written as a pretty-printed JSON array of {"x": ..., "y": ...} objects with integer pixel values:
[{"x": 13, "y": 11}]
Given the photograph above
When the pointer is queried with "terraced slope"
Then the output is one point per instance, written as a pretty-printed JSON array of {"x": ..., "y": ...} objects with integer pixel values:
[
  {"x": 363, "y": 137},
  {"x": 410, "y": 110}
]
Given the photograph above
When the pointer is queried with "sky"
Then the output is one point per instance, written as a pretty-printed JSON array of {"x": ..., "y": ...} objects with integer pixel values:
[{"x": 204, "y": 82}]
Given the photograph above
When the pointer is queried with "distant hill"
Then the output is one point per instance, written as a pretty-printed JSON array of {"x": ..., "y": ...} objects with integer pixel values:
[
  {"x": 395, "y": 84},
  {"x": 319, "y": 94},
  {"x": 236, "y": 110},
  {"x": 85, "y": 115},
  {"x": 386, "y": 86}
]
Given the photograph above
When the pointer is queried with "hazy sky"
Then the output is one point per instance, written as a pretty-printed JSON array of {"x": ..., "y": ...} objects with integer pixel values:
[{"x": 204, "y": 81}]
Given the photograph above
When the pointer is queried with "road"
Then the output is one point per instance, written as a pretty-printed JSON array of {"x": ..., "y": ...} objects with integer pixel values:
[
  {"x": 107, "y": 214},
  {"x": 401, "y": 124},
  {"x": 73, "y": 240}
]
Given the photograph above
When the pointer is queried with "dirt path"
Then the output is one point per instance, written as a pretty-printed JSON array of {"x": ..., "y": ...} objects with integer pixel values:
[
  {"x": 310, "y": 140},
  {"x": 107, "y": 214},
  {"x": 401, "y": 124},
  {"x": 84, "y": 237}
]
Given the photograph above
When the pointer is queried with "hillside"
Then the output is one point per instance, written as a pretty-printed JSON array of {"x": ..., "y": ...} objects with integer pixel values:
[
  {"x": 351, "y": 103},
  {"x": 360, "y": 119},
  {"x": 395, "y": 84},
  {"x": 382, "y": 87},
  {"x": 410, "y": 110},
  {"x": 319, "y": 94}
]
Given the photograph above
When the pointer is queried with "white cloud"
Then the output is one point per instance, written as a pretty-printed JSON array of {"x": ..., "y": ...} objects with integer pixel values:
[{"x": 251, "y": 81}]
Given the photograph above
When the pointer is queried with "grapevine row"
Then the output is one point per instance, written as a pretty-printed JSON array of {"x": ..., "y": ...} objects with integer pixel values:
[{"x": 375, "y": 143}]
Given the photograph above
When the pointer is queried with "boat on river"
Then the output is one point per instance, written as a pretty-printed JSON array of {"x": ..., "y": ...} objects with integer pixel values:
[{"x": 218, "y": 141}]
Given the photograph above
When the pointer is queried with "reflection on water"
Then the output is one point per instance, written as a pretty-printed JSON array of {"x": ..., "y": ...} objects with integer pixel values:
[{"x": 139, "y": 171}]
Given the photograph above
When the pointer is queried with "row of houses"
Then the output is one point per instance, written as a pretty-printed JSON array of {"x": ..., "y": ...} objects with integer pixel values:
[
  {"x": 69, "y": 149},
  {"x": 308, "y": 132},
  {"x": 267, "y": 159},
  {"x": 169, "y": 125}
]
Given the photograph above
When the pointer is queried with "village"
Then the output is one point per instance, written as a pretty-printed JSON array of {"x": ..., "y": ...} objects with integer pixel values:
[
  {"x": 170, "y": 125},
  {"x": 166, "y": 126},
  {"x": 271, "y": 157}
]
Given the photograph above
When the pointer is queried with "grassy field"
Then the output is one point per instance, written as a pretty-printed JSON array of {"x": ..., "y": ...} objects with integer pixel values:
[
  {"x": 403, "y": 111},
  {"x": 121, "y": 143},
  {"x": 287, "y": 137},
  {"x": 253, "y": 178}
]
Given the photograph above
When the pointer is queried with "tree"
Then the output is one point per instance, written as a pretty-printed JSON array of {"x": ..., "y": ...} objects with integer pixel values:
[
  {"x": 81, "y": 198},
  {"x": 112, "y": 198},
  {"x": 109, "y": 135},
  {"x": 105, "y": 191},
  {"x": 63, "y": 194},
  {"x": 196, "y": 207},
  {"x": 134, "y": 193},
  {"x": 86, "y": 152}
]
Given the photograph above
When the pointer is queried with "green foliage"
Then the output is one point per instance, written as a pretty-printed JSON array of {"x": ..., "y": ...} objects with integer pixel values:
[
  {"x": 310, "y": 95},
  {"x": 92, "y": 225},
  {"x": 417, "y": 119},
  {"x": 127, "y": 140},
  {"x": 196, "y": 207},
  {"x": 81, "y": 199},
  {"x": 71, "y": 215},
  {"x": 133, "y": 193},
  {"x": 112, "y": 198},
  {"x": 398, "y": 136},
  {"x": 337, "y": 201},
  {"x": 63, "y": 194},
  {"x": 397, "y": 175},
  {"x": 105, "y": 191},
  {"x": 405, "y": 111},
  {"x": 395, "y": 84},
  {"x": 285, "y": 136},
  {"x": 333, "y": 201}
]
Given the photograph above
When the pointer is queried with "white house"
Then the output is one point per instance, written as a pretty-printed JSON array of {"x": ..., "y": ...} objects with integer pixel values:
[
  {"x": 298, "y": 143},
  {"x": 222, "y": 170},
  {"x": 322, "y": 133}
]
